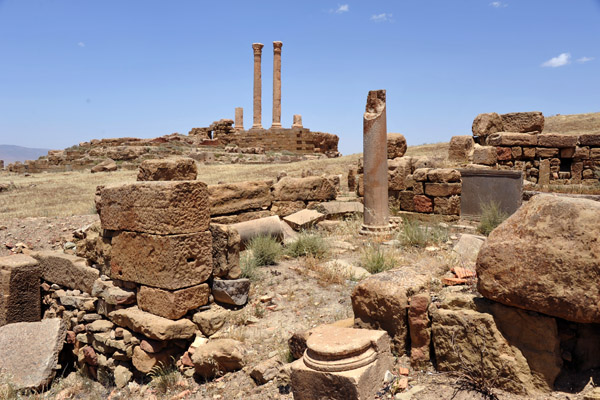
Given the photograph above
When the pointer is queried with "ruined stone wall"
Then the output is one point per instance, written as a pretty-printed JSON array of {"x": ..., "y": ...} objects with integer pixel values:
[
  {"x": 514, "y": 141},
  {"x": 295, "y": 140}
]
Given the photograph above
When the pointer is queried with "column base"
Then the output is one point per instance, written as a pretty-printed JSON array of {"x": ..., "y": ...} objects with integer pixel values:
[
  {"x": 277, "y": 126},
  {"x": 372, "y": 230}
]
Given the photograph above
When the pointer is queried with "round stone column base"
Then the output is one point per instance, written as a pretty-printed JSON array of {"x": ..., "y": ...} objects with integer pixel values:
[{"x": 371, "y": 230}]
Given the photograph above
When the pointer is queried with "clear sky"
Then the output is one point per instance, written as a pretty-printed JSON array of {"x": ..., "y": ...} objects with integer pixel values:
[{"x": 75, "y": 70}]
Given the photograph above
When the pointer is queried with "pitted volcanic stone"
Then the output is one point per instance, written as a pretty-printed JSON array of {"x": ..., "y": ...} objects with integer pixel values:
[{"x": 167, "y": 207}]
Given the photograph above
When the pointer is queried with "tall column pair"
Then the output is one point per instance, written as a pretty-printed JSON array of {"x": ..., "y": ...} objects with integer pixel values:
[{"x": 258, "y": 85}]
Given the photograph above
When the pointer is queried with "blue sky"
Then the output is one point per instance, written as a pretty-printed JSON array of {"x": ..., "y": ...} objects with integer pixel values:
[{"x": 72, "y": 71}]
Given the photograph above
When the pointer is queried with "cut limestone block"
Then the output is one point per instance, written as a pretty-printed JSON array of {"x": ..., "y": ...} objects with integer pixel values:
[
  {"x": 164, "y": 261},
  {"x": 523, "y": 122},
  {"x": 461, "y": 148},
  {"x": 166, "y": 208},
  {"x": 231, "y": 291},
  {"x": 111, "y": 294},
  {"x": 339, "y": 209},
  {"x": 153, "y": 326},
  {"x": 342, "y": 364},
  {"x": 396, "y": 145},
  {"x": 19, "y": 289},
  {"x": 231, "y": 198},
  {"x": 557, "y": 140},
  {"x": 219, "y": 356},
  {"x": 512, "y": 139},
  {"x": 66, "y": 270},
  {"x": 168, "y": 169},
  {"x": 304, "y": 219},
  {"x": 172, "y": 304},
  {"x": 307, "y": 189},
  {"x": 29, "y": 352}
]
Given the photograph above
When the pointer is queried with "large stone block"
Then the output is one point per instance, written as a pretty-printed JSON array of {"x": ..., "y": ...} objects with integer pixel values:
[
  {"x": 442, "y": 189},
  {"x": 523, "y": 122},
  {"x": 485, "y": 155},
  {"x": 557, "y": 140},
  {"x": 486, "y": 124},
  {"x": 153, "y": 326},
  {"x": 511, "y": 139},
  {"x": 168, "y": 169},
  {"x": 230, "y": 198},
  {"x": 19, "y": 289},
  {"x": 544, "y": 258},
  {"x": 396, "y": 145},
  {"x": 518, "y": 350},
  {"x": 380, "y": 302},
  {"x": 306, "y": 189},
  {"x": 219, "y": 356},
  {"x": 589, "y": 139},
  {"x": 461, "y": 148},
  {"x": 29, "y": 352},
  {"x": 172, "y": 304},
  {"x": 164, "y": 208},
  {"x": 163, "y": 261},
  {"x": 66, "y": 270}
]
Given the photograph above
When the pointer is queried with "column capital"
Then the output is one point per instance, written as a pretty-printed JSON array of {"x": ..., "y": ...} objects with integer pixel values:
[
  {"x": 257, "y": 48},
  {"x": 277, "y": 47}
]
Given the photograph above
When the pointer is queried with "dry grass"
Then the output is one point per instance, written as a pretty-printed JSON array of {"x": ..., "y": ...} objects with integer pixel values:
[
  {"x": 575, "y": 124},
  {"x": 72, "y": 193}
]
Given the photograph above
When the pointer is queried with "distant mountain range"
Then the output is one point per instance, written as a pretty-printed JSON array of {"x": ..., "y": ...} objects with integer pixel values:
[{"x": 10, "y": 153}]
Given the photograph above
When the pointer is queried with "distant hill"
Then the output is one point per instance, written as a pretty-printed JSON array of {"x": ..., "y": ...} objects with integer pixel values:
[
  {"x": 10, "y": 153},
  {"x": 575, "y": 124}
]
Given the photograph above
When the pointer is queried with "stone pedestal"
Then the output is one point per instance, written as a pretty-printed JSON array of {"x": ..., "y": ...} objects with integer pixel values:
[
  {"x": 342, "y": 363},
  {"x": 376, "y": 213},
  {"x": 277, "y": 84},
  {"x": 297, "y": 121},
  {"x": 19, "y": 289},
  {"x": 257, "y": 47},
  {"x": 239, "y": 119}
]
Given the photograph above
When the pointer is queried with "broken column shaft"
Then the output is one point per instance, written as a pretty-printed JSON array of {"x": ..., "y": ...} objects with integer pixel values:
[
  {"x": 277, "y": 84},
  {"x": 376, "y": 211},
  {"x": 257, "y": 85},
  {"x": 239, "y": 119}
]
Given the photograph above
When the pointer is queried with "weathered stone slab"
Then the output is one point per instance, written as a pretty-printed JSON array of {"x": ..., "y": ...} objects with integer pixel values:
[
  {"x": 557, "y": 140},
  {"x": 164, "y": 261},
  {"x": 443, "y": 175},
  {"x": 546, "y": 152},
  {"x": 511, "y": 139},
  {"x": 544, "y": 258},
  {"x": 231, "y": 198},
  {"x": 481, "y": 187},
  {"x": 338, "y": 209},
  {"x": 285, "y": 208},
  {"x": 153, "y": 326},
  {"x": 523, "y": 122},
  {"x": 306, "y": 189},
  {"x": 145, "y": 362},
  {"x": 66, "y": 270},
  {"x": 111, "y": 294},
  {"x": 29, "y": 352},
  {"x": 20, "y": 299},
  {"x": 166, "y": 208},
  {"x": 420, "y": 330},
  {"x": 468, "y": 247},
  {"x": 172, "y": 304},
  {"x": 231, "y": 291},
  {"x": 168, "y": 169},
  {"x": 304, "y": 219}
]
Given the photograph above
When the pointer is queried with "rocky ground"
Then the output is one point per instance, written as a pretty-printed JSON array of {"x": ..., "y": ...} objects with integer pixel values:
[{"x": 292, "y": 296}]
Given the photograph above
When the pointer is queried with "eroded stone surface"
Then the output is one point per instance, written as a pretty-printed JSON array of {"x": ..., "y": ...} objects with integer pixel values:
[
  {"x": 29, "y": 352},
  {"x": 544, "y": 258},
  {"x": 172, "y": 304},
  {"x": 218, "y": 356},
  {"x": 231, "y": 291},
  {"x": 168, "y": 169},
  {"x": 230, "y": 198},
  {"x": 164, "y": 261},
  {"x": 306, "y": 189},
  {"x": 19, "y": 289},
  {"x": 166, "y": 208},
  {"x": 153, "y": 326}
]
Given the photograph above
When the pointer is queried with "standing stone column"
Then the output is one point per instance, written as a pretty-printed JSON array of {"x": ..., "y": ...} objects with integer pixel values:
[
  {"x": 297, "y": 121},
  {"x": 239, "y": 119},
  {"x": 257, "y": 85},
  {"x": 376, "y": 211},
  {"x": 277, "y": 84}
]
